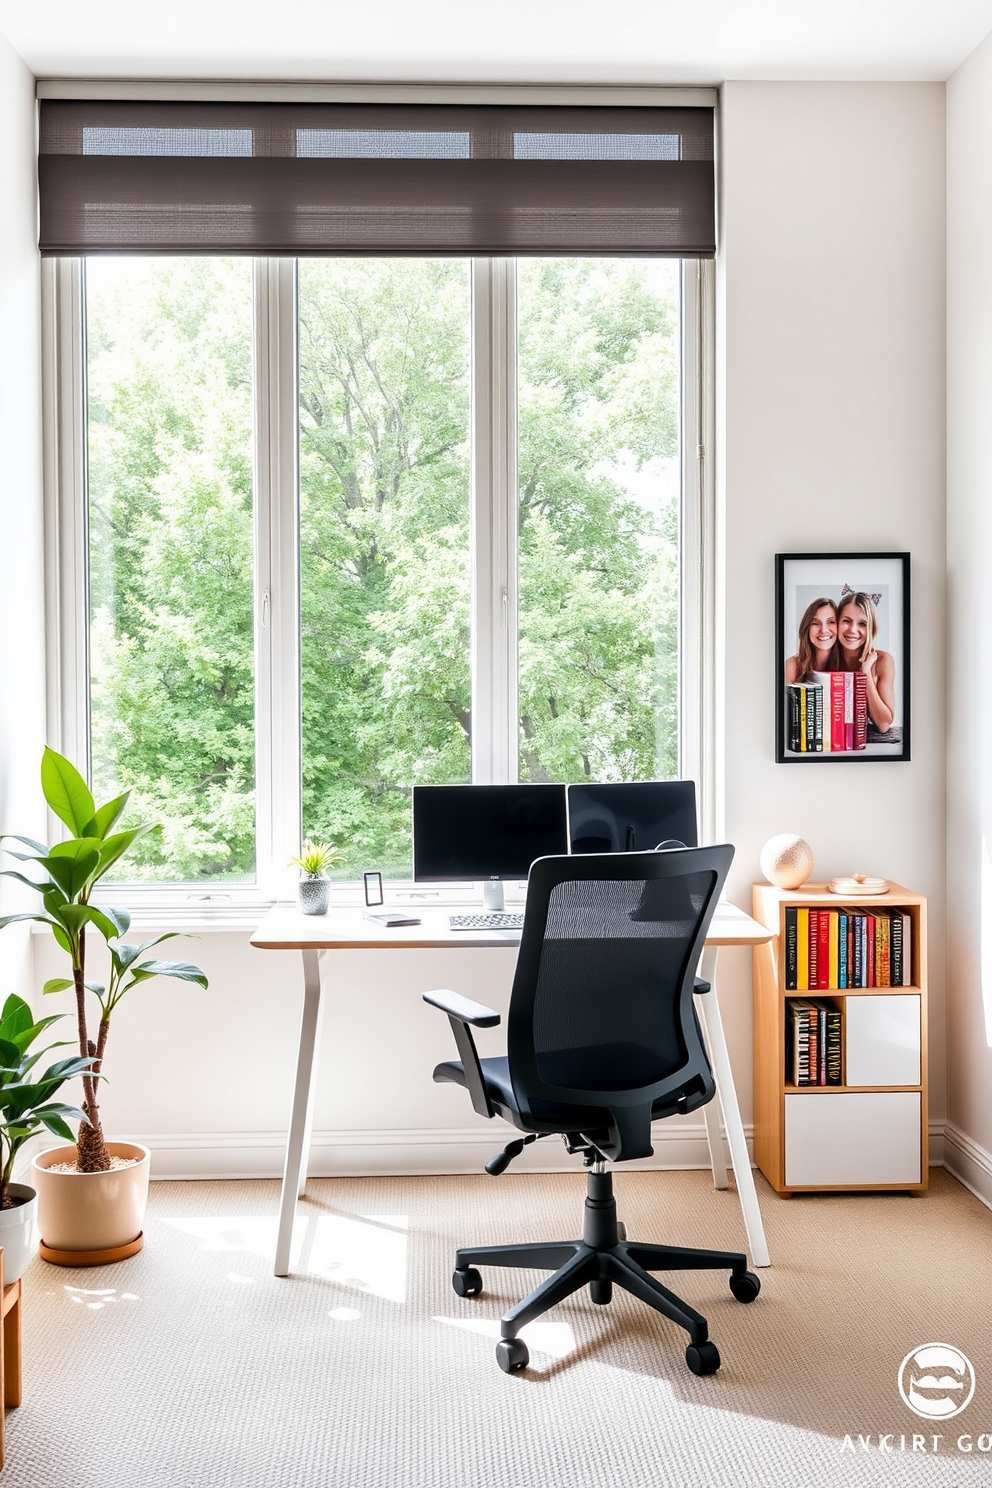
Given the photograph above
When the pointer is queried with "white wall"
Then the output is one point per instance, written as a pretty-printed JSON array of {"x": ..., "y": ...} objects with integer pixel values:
[
  {"x": 22, "y": 652},
  {"x": 969, "y": 555},
  {"x": 831, "y": 291}
]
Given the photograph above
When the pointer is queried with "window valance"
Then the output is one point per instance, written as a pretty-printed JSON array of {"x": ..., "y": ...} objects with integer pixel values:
[{"x": 424, "y": 180}]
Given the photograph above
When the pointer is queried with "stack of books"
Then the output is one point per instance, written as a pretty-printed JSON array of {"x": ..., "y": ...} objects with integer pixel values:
[
  {"x": 838, "y": 948},
  {"x": 813, "y": 1035},
  {"x": 829, "y": 714}
]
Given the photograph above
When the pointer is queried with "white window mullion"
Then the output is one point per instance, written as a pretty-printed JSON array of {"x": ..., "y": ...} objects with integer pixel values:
[
  {"x": 698, "y": 579},
  {"x": 277, "y": 586},
  {"x": 67, "y": 544},
  {"x": 494, "y": 523}
]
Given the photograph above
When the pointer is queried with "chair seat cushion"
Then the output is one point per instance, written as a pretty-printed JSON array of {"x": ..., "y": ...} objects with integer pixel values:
[{"x": 547, "y": 1115}]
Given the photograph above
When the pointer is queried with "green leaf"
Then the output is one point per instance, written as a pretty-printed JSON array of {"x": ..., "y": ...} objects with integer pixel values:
[
  {"x": 6, "y": 920},
  {"x": 181, "y": 971},
  {"x": 66, "y": 792},
  {"x": 57, "y": 1126},
  {"x": 38, "y": 848},
  {"x": 71, "y": 864},
  {"x": 106, "y": 816},
  {"x": 16, "y": 1014},
  {"x": 58, "y": 984},
  {"x": 106, "y": 921},
  {"x": 120, "y": 918},
  {"x": 32, "y": 883},
  {"x": 115, "y": 847},
  {"x": 10, "y": 1054}
]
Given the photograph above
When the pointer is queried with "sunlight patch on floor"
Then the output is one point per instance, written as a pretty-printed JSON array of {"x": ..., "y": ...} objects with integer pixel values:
[
  {"x": 96, "y": 1298},
  {"x": 556, "y": 1339},
  {"x": 367, "y": 1253}
]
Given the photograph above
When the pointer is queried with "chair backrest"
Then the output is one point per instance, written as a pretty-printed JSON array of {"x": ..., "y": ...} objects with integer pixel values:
[{"x": 601, "y": 1014}]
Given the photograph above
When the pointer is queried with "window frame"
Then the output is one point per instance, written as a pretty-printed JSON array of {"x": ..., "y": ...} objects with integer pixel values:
[{"x": 493, "y": 538}]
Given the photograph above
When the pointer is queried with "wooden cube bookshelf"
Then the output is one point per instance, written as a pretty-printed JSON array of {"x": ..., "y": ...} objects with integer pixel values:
[{"x": 871, "y": 1131}]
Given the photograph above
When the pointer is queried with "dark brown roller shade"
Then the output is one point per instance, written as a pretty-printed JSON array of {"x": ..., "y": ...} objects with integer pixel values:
[{"x": 315, "y": 179}]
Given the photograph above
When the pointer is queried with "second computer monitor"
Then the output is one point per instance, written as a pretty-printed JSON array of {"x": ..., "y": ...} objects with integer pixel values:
[{"x": 634, "y": 816}]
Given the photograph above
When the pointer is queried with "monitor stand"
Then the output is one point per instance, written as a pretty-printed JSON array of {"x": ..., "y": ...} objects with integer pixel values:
[{"x": 492, "y": 898}]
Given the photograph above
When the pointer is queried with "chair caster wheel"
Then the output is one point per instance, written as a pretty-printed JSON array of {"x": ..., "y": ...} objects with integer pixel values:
[
  {"x": 512, "y": 1355},
  {"x": 467, "y": 1282},
  {"x": 702, "y": 1358},
  {"x": 601, "y": 1291},
  {"x": 745, "y": 1286}
]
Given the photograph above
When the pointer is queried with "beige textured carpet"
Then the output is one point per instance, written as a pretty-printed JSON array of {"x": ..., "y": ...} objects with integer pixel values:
[{"x": 191, "y": 1366}]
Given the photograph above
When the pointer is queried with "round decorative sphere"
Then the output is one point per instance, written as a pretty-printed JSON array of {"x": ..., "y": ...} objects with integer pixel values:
[{"x": 786, "y": 860}]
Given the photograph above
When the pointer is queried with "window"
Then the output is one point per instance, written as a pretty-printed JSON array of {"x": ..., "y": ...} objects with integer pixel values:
[{"x": 331, "y": 527}]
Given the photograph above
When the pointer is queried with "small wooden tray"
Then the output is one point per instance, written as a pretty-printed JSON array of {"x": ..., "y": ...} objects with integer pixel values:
[{"x": 858, "y": 886}]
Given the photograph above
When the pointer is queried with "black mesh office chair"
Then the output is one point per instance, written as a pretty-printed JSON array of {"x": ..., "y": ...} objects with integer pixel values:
[{"x": 602, "y": 1039}]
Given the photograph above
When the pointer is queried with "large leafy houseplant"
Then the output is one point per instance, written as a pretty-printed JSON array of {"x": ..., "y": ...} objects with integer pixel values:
[
  {"x": 26, "y": 1095},
  {"x": 69, "y": 872}
]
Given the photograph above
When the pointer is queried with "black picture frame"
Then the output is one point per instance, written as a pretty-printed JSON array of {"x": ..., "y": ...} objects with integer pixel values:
[{"x": 823, "y": 713}]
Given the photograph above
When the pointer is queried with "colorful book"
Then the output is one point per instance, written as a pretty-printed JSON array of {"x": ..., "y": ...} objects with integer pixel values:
[
  {"x": 833, "y": 948},
  {"x": 830, "y": 1068},
  {"x": 895, "y": 950},
  {"x": 823, "y": 948},
  {"x": 797, "y": 1036},
  {"x": 860, "y": 710},
  {"x": 837, "y": 710},
  {"x": 848, "y": 710},
  {"x": 792, "y": 723},
  {"x": 802, "y": 949},
  {"x": 791, "y": 947},
  {"x": 907, "y": 951},
  {"x": 813, "y": 940}
]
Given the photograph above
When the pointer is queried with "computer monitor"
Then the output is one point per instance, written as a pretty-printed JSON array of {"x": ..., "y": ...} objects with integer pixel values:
[
  {"x": 485, "y": 833},
  {"x": 631, "y": 816}
]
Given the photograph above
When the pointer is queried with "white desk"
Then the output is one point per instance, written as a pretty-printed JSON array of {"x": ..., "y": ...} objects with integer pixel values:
[{"x": 285, "y": 929}]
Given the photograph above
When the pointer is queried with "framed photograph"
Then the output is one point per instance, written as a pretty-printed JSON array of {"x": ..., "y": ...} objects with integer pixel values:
[{"x": 841, "y": 657}]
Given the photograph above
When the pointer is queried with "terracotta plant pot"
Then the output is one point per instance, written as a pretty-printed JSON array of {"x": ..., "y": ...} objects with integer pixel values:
[
  {"x": 18, "y": 1231},
  {"x": 91, "y": 1217}
]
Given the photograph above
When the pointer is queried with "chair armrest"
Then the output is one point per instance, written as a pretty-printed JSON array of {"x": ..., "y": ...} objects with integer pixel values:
[
  {"x": 700, "y": 986},
  {"x": 462, "y": 1008},
  {"x": 461, "y": 1012}
]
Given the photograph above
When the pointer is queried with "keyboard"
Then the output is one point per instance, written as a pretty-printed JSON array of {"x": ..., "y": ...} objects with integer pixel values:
[{"x": 493, "y": 920}]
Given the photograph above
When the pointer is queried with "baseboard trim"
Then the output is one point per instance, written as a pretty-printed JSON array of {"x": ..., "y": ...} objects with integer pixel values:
[
  {"x": 395, "y": 1153},
  {"x": 388, "y": 1153},
  {"x": 970, "y": 1163}
]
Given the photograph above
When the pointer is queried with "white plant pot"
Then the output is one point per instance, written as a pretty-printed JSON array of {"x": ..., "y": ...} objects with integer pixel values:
[
  {"x": 315, "y": 894},
  {"x": 99, "y": 1215},
  {"x": 18, "y": 1231}
]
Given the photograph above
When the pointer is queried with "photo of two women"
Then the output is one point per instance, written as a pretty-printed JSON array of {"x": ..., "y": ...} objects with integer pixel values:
[{"x": 841, "y": 634}]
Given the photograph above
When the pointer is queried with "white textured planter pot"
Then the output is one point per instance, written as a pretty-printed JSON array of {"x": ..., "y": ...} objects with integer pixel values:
[
  {"x": 91, "y": 1217},
  {"x": 18, "y": 1231},
  {"x": 314, "y": 894}
]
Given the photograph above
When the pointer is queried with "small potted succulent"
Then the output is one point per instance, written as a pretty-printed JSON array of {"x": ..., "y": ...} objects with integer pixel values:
[
  {"x": 91, "y": 1196},
  {"x": 315, "y": 889},
  {"x": 27, "y": 1108}
]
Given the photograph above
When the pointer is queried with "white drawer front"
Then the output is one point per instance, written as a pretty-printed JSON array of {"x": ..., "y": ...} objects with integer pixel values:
[
  {"x": 882, "y": 1035},
  {"x": 841, "y": 1139}
]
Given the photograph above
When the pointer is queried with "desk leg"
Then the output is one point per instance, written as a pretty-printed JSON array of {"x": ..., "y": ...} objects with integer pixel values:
[
  {"x": 298, "y": 1142},
  {"x": 709, "y": 1007},
  {"x": 711, "y": 1116}
]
